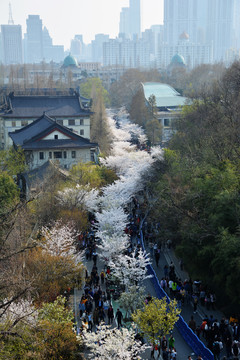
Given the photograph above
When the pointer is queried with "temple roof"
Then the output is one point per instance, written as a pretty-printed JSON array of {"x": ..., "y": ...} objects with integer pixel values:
[
  {"x": 31, "y": 137},
  {"x": 24, "y": 106}
]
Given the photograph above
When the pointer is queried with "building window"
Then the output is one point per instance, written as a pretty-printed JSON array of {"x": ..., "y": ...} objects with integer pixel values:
[
  {"x": 57, "y": 155},
  {"x": 71, "y": 122},
  {"x": 81, "y": 132},
  {"x": 24, "y": 123},
  {"x": 55, "y": 137},
  {"x": 41, "y": 155},
  {"x": 166, "y": 122},
  {"x": 73, "y": 154},
  {"x": 65, "y": 154},
  {"x": 60, "y": 122},
  {"x": 50, "y": 155},
  {"x": 13, "y": 123},
  {"x": 81, "y": 121}
]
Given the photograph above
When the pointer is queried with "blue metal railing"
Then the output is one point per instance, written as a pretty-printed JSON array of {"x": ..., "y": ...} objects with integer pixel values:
[{"x": 189, "y": 336}]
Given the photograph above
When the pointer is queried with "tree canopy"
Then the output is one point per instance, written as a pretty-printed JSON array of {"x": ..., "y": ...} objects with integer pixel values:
[
  {"x": 196, "y": 190},
  {"x": 157, "y": 318}
]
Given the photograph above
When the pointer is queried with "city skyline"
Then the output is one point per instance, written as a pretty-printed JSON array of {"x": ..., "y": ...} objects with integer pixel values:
[{"x": 70, "y": 20}]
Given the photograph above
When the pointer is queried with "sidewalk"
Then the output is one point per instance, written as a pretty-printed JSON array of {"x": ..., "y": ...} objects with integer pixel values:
[{"x": 182, "y": 274}]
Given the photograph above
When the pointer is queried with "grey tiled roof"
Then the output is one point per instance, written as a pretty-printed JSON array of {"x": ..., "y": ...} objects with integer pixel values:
[
  {"x": 26, "y": 133},
  {"x": 54, "y": 106},
  {"x": 30, "y": 136}
]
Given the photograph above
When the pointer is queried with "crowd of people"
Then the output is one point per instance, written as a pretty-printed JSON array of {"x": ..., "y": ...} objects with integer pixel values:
[
  {"x": 164, "y": 347},
  {"x": 96, "y": 302},
  {"x": 219, "y": 336}
]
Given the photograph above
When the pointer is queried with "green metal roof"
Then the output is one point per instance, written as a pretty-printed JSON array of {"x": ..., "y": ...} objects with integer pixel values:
[
  {"x": 178, "y": 59},
  {"x": 70, "y": 61},
  {"x": 166, "y": 96}
]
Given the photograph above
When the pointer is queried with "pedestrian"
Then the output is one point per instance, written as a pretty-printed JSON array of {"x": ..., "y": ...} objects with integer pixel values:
[
  {"x": 236, "y": 332},
  {"x": 228, "y": 343},
  {"x": 171, "y": 342},
  {"x": 105, "y": 304},
  {"x": 195, "y": 302},
  {"x": 165, "y": 354},
  {"x": 102, "y": 276},
  {"x": 173, "y": 354},
  {"x": 95, "y": 317},
  {"x": 164, "y": 343},
  {"x": 156, "y": 351},
  {"x": 110, "y": 314},
  {"x": 192, "y": 324},
  {"x": 94, "y": 257},
  {"x": 90, "y": 324},
  {"x": 235, "y": 350},
  {"x": 157, "y": 256},
  {"x": 216, "y": 350},
  {"x": 119, "y": 317}
]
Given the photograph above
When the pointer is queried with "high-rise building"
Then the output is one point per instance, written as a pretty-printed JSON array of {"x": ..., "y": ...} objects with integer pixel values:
[
  {"x": 188, "y": 16},
  {"x": 193, "y": 54},
  {"x": 215, "y": 23},
  {"x": 128, "y": 53},
  {"x": 97, "y": 47},
  {"x": 76, "y": 47},
  {"x": 124, "y": 28},
  {"x": 11, "y": 39},
  {"x": 34, "y": 39},
  {"x": 220, "y": 28},
  {"x": 135, "y": 17},
  {"x": 130, "y": 20},
  {"x": 47, "y": 45},
  {"x": 236, "y": 25}
]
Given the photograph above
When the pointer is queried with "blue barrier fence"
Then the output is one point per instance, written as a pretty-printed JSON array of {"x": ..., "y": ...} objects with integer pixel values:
[{"x": 189, "y": 336}]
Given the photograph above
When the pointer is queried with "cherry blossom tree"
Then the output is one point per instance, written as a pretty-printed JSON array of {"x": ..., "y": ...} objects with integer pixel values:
[
  {"x": 112, "y": 220},
  {"x": 59, "y": 240},
  {"x": 120, "y": 192},
  {"x": 132, "y": 299},
  {"x": 13, "y": 312},
  {"x": 119, "y": 344},
  {"x": 122, "y": 162},
  {"x": 131, "y": 269},
  {"x": 79, "y": 196},
  {"x": 111, "y": 246}
]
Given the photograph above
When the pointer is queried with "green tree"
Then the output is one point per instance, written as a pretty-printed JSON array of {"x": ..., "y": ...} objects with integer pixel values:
[
  {"x": 92, "y": 88},
  {"x": 138, "y": 110},
  {"x": 153, "y": 105},
  {"x": 93, "y": 175},
  {"x": 154, "y": 131},
  {"x": 12, "y": 161},
  {"x": 51, "y": 275},
  {"x": 9, "y": 194},
  {"x": 100, "y": 130},
  {"x": 55, "y": 331},
  {"x": 157, "y": 318}
]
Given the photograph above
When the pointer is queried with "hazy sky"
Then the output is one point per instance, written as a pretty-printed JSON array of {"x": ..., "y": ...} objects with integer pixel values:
[{"x": 65, "y": 18}]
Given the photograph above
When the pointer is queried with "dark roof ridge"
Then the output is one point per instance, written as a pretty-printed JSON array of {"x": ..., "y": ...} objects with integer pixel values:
[
  {"x": 59, "y": 127},
  {"x": 44, "y": 96},
  {"x": 33, "y": 123}
]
